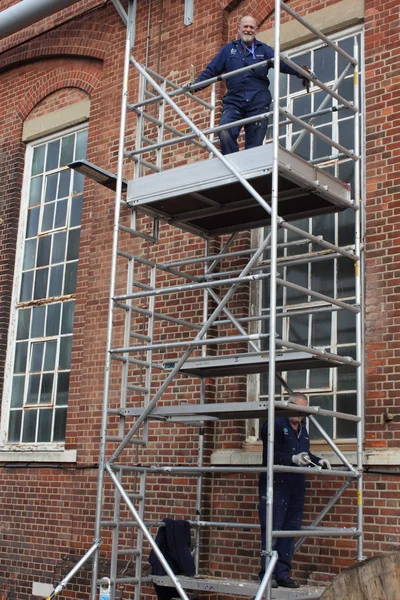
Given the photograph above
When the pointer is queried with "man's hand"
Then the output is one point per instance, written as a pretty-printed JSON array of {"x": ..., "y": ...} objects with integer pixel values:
[
  {"x": 301, "y": 460},
  {"x": 186, "y": 87},
  {"x": 306, "y": 82},
  {"x": 325, "y": 464}
]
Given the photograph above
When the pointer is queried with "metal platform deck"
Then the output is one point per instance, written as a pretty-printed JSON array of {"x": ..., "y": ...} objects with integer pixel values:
[
  {"x": 233, "y": 365},
  {"x": 206, "y": 198},
  {"x": 190, "y": 411},
  {"x": 239, "y": 587}
]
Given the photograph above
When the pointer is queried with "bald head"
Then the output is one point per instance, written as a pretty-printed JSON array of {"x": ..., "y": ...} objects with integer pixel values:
[
  {"x": 301, "y": 400},
  {"x": 247, "y": 29}
]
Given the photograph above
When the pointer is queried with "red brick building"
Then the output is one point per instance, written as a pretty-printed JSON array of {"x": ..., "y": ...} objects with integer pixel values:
[{"x": 61, "y": 81}]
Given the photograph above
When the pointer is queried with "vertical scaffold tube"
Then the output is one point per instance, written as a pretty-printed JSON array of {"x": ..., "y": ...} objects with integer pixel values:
[
  {"x": 359, "y": 321},
  {"x": 128, "y": 48},
  {"x": 272, "y": 302}
]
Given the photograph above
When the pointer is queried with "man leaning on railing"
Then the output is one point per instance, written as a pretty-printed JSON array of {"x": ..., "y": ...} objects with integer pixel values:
[{"x": 248, "y": 92}]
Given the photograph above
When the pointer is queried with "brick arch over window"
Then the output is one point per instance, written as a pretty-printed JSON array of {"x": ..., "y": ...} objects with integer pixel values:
[
  {"x": 94, "y": 43},
  {"x": 82, "y": 76}
]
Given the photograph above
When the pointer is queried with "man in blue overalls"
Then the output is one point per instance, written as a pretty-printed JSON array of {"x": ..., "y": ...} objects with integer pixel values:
[
  {"x": 291, "y": 448},
  {"x": 248, "y": 93}
]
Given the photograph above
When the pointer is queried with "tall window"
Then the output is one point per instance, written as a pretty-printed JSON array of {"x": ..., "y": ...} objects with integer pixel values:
[
  {"x": 40, "y": 336},
  {"x": 326, "y": 329}
]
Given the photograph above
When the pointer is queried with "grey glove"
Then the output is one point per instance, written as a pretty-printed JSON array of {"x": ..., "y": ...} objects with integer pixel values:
[
  {"x": 325, "y": 464},
  {"x": 301, "y": 460}
]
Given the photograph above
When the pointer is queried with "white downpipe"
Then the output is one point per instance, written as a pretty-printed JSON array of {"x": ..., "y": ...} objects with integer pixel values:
[{"x": 27, "y": 12}]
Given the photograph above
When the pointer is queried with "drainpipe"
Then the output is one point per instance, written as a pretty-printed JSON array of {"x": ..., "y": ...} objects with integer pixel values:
[{"x": 27, "y": 12}]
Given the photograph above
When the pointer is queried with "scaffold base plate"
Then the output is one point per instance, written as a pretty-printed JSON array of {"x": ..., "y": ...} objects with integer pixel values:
[
  {"x": 239, "y": 587},
  {"x": 206, "y": 198}
]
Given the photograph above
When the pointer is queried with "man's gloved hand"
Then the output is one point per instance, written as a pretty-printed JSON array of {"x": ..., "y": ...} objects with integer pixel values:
[
  {"x": 306, "y": 82},
  {"x": 325, "y": 464},
  {"x": 186, "y": 87},
  {"x": 301, "y": 460}
]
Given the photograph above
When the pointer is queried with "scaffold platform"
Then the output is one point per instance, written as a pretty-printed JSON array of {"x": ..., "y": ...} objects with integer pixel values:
[
  {"x": 206, "y": 198},
  {"x": 239, "y": 587}
]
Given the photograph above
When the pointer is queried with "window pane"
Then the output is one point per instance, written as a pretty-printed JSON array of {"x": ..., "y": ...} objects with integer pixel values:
[
  {"x": 298, "y": 275},
  {"x": 29, "y": 428},
  {"x": 347, "y": 376},
  {"x": 29, "y": 254},
  {"x": 321, "y": 147},
  {"x": 53, "y": 150},
  {"x": 67, "y": 150},
  {"x": 298, "y": 332},
  {"x": 38, "y": 160},
  {"x": 81, "y": 144},
  {"x": 33, "y": 222},
  {"x": 56, "y": 278},
  {"x": 24, "y": 321},
  {"x": 44, "y": 428},
  {"x": 346, "y": 403},
  {"x": 321, "y": 329},
  {"x": 60, "y": 421},
  {"x": 41, "y": 284},
  {"x": 346, "y": 227},
  {"x": 76, "y": 211},
  {"x": 51, "y": 187},
  {"x": 21, "y": 353},
  {"x": 62, "y": 389},
  {"x": 43, "y": 254},
  {"x": 319, "y": 378},
  {"x": 324, "y": 63},
  {"x": 33, "y": 389},
  {"x": 73, "y": 244},
  {"x": 61, "y": 214},
  {"x": 17, "y": 394},
  {"x": 46, "y": 389},
  {"x": 53, "y": 319},
  {"x": 70, "y": 278},
  {"x": 35, "y": 191},
  {"x": 79, "y": 181},
  {"x": 346, "y": 327},
  {"x": 325, "y": 402},
  {"x": 297, "y": 380},
  {"x": 38, "y": 316},
  {"x": 63, "y": 187},
  {"x": 37, "y": 356},
  {"x": 65, "y": 352},
  {"x": 345, "y": 277},
  {"x": 26, "y": 286},
  {"x": 68, "y": 317},
  {"x": 58, "y": 253},
  {"x": 48, "y": 216},
  {"x": 322, "y": 277},
  {"x": 50, "y": 356},
  {"x": 14, "y": 426}
]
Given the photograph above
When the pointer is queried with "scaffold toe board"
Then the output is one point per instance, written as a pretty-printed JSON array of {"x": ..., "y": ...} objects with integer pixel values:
[
  {"x": 207, "y": 198},
  {"x": 227, "y": 366},
  {"x": 239, "y": 587}
]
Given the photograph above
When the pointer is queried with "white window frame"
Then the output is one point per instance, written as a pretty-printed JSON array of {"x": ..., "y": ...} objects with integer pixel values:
[
  {"x": 254, "y": 381},
  {"x": 38, "y": 451}
]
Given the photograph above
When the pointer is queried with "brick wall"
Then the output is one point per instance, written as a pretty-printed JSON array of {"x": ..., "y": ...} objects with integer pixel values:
[{"x": 48, "y": 512}]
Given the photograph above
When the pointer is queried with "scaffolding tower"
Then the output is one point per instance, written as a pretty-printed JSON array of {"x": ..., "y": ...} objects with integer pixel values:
[{"x": 174, "y": 321}]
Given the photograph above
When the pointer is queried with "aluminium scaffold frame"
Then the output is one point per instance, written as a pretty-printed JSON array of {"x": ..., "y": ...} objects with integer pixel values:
[{"x": 137, "y": 434}]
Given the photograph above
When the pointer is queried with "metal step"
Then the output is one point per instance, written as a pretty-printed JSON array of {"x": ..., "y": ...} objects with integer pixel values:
[
  {"x": 242, "y": 364},
  {"x": 238, "y": 587}
]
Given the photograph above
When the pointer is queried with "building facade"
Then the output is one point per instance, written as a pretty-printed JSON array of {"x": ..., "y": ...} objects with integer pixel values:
[{"x": 61, "y": 81}]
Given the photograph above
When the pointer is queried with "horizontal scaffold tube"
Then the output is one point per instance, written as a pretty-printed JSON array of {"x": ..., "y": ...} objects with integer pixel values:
[
  {"x": 195, "y": 286},
  {"x": 197, "y": 471}
]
